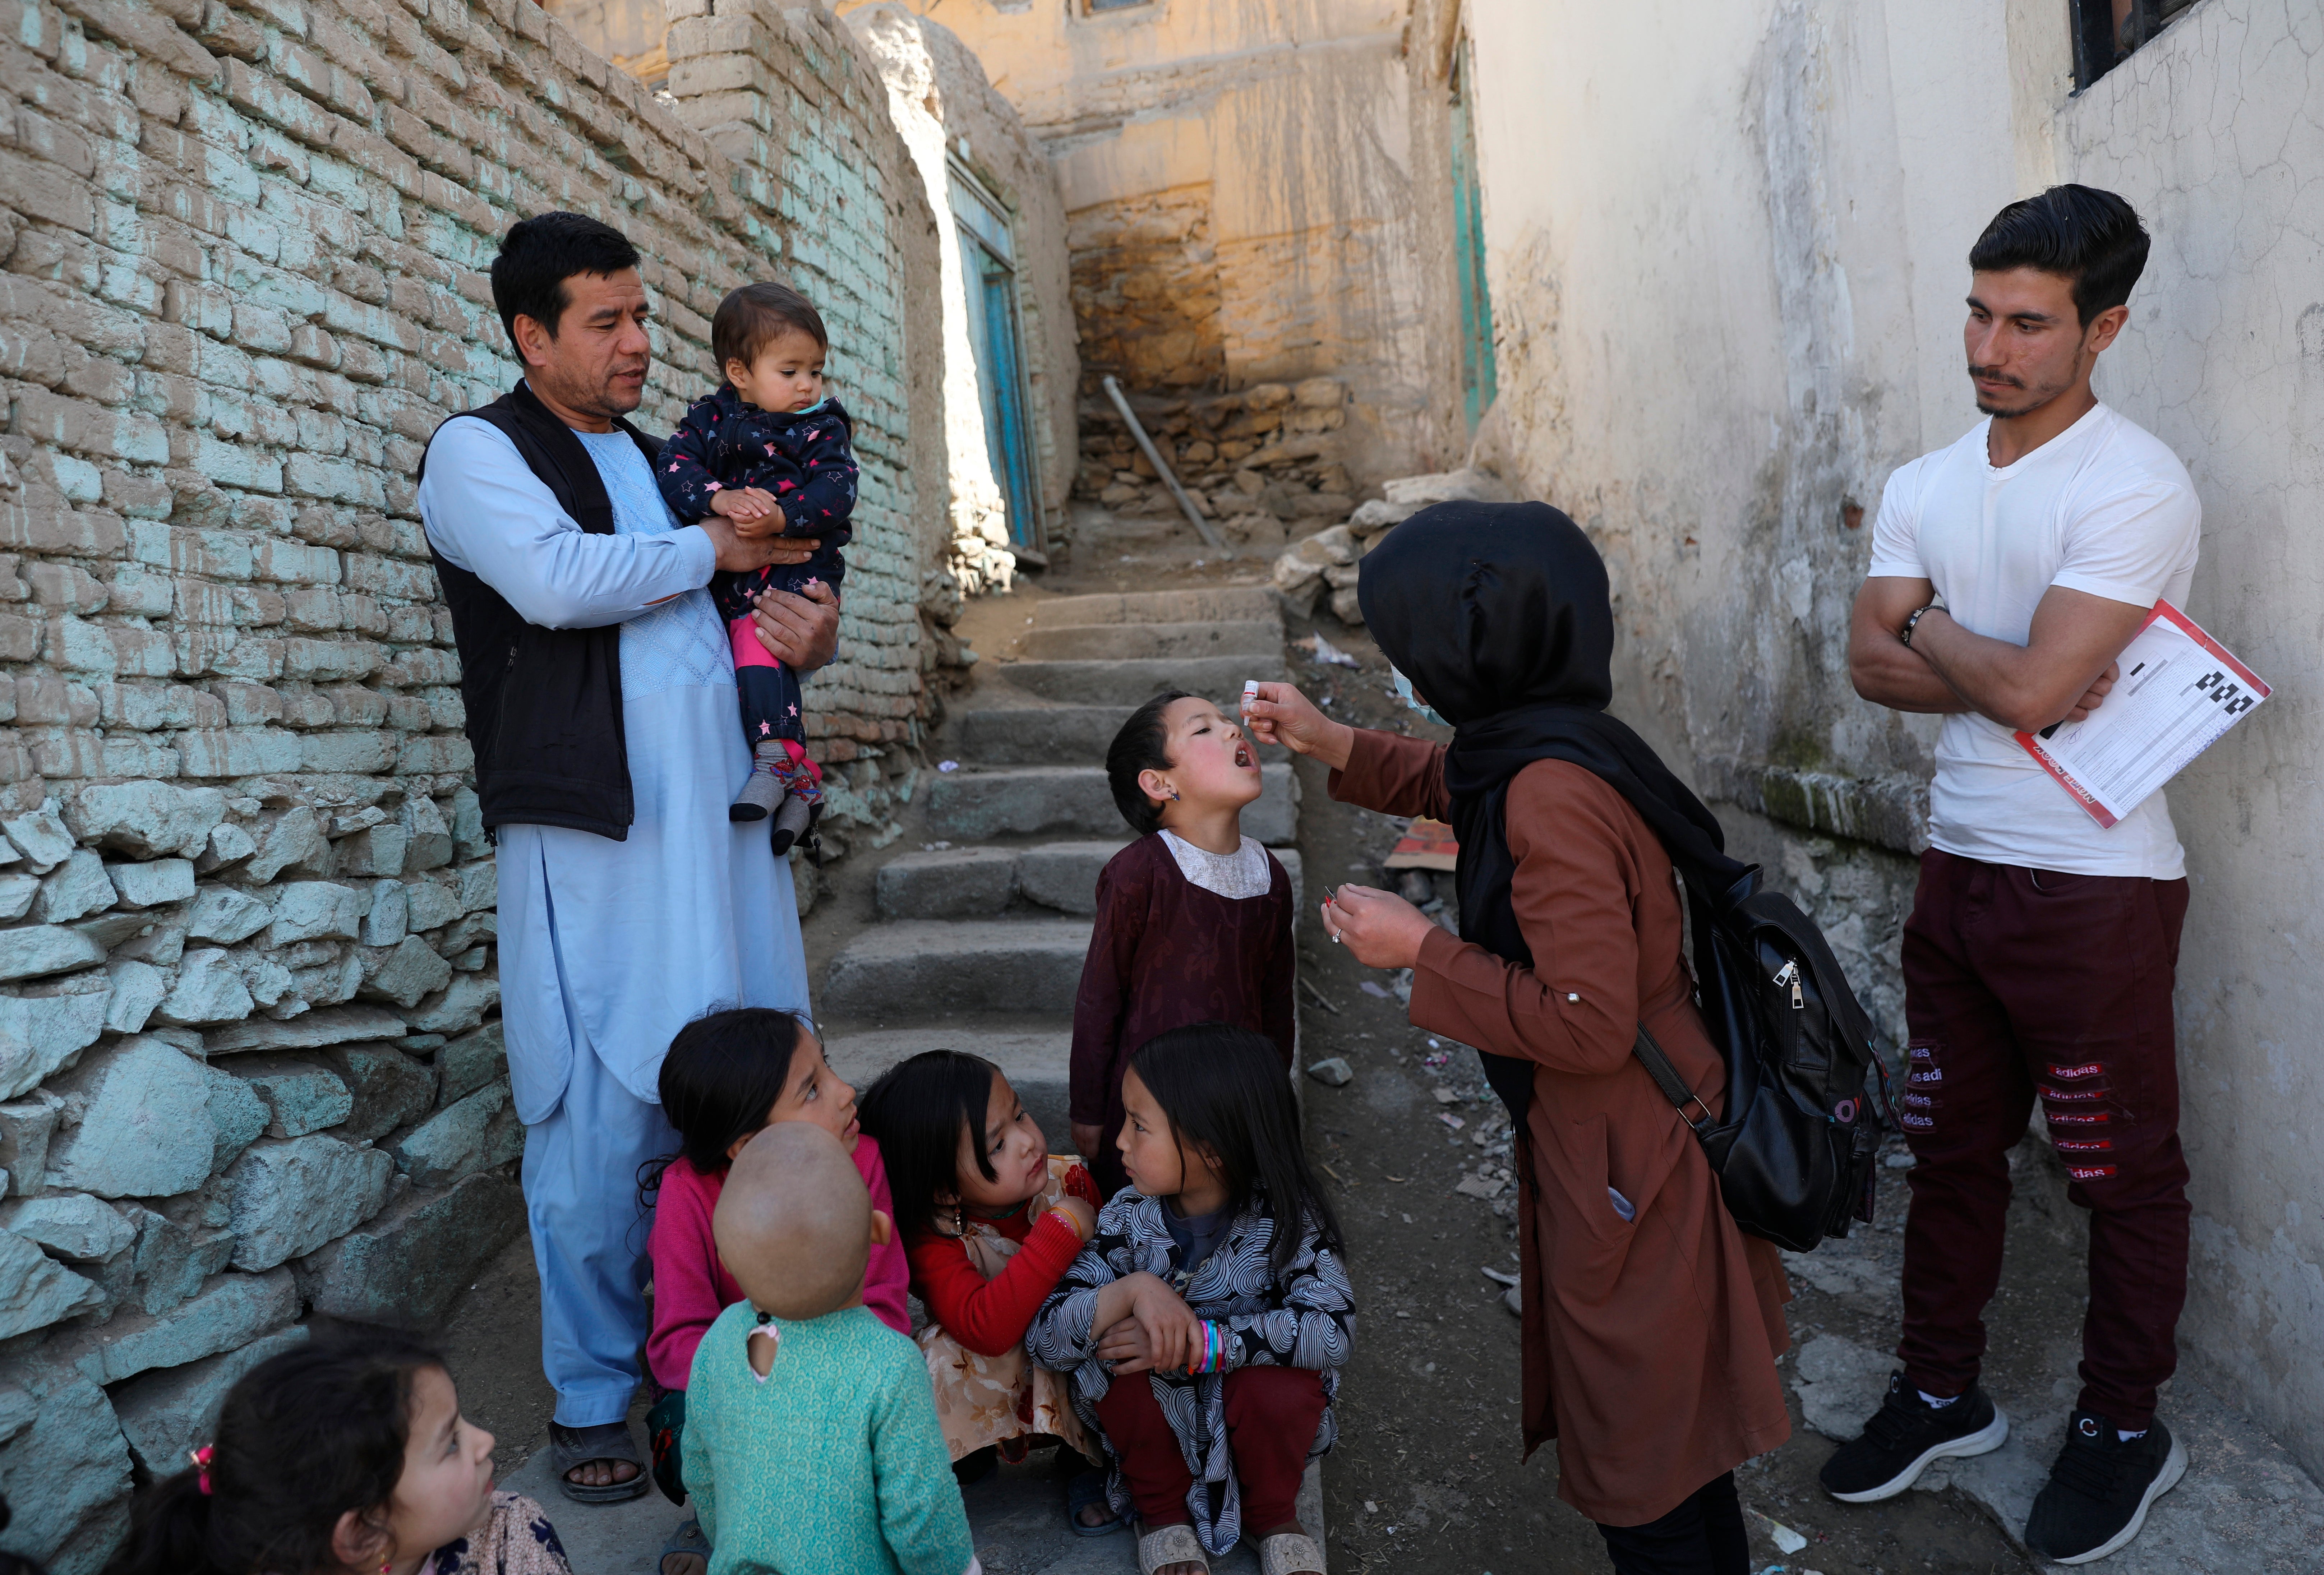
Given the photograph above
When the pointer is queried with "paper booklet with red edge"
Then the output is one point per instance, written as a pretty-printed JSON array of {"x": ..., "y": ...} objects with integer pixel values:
[{"x": 2177, "y": 691}]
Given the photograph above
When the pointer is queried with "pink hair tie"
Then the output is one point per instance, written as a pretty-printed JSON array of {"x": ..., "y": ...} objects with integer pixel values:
[{"x": 201, "y": 1458}]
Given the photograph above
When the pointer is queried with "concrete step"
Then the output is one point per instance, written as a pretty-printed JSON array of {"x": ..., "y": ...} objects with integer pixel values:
[
  {"x": 976, "y": 806},
  {"x": 1207, "y": 605},
  {"x": 960, "y": 883},
  {"x": 925, "y": 968},
  {"x": 1134, "y": 682},
  {"x": 1152, "y": 641},
  {"x": 1017, "y": 1517},
  {"x": 1037, "y": 1057},
  {"x": 1035, "y": 735}
]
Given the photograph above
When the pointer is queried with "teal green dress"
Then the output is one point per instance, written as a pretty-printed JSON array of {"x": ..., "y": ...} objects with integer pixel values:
[{"x": 833, "y": 1464}]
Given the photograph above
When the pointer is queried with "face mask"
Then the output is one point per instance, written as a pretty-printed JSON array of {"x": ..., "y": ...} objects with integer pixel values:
[{"x": 1404, "y": 692}]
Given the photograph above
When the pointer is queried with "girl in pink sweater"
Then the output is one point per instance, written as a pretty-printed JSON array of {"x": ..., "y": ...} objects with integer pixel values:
[{"x": 729, "y": 1076}]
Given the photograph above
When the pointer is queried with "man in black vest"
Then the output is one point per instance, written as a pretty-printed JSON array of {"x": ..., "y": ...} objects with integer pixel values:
[{"x": 600, "y": 691}]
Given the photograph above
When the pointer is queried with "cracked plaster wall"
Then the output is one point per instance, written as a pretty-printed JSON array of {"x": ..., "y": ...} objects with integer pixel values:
[
  {"x": 2216, "y": 131},
  {"x": 1727, "y": 248}
]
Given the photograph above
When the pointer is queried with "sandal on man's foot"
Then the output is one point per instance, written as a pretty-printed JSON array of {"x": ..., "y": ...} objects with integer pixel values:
[
  {"x": 1287, "y": 1553},
  {"x": 1087, "y": 1491},
  {"x": 687, "y": 1538},
  {"x": 1165, "y": 1545},
  {"x": 572, "y": 1448}
]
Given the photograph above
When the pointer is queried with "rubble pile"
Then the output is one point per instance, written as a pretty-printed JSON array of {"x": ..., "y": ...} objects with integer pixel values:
[
  {"x": 1259, "y": 461},
  {"x": 1325, "y": 563}
]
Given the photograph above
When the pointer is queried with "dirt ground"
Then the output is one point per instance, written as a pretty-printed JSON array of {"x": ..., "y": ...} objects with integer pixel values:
[{"x": 1426, "y": 1476}]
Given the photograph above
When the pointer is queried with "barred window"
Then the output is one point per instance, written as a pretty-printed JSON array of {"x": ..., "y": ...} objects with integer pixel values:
[{"x": 2106, "y": 31}]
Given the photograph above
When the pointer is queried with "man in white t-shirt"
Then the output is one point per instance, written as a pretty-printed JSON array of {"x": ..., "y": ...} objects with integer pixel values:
[{"x": 2008, "y": 572}]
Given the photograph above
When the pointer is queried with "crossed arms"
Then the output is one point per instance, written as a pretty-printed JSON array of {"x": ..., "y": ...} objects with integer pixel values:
[{"x": 2059, "y": 675}]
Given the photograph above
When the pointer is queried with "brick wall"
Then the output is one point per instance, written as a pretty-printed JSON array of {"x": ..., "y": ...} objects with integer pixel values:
[{"x": 250, "y": 1065}]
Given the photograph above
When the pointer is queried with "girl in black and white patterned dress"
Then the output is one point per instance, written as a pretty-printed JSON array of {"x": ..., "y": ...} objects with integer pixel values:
[{"x": 1206, "y": 1322}]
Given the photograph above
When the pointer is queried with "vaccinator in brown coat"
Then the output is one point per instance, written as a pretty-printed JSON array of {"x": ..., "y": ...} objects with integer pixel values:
[{"x": 1651, "y": 1322}]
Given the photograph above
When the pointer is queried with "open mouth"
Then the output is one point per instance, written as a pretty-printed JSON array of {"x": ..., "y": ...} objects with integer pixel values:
[{"x": 1242, "y": 757}]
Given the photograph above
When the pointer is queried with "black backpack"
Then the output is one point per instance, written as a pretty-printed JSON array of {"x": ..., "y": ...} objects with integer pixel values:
[{"x": 1795, "y": 1155}]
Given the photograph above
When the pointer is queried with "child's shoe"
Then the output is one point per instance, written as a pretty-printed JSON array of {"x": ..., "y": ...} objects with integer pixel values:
[{"x": 765, "y": 789}]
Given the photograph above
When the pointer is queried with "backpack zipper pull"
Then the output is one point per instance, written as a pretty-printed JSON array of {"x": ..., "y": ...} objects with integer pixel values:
[{"x": 1789, "y": 973}]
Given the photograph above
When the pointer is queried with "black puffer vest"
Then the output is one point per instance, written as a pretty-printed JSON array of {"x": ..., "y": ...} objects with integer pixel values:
[{"x": 544, "y": 704}]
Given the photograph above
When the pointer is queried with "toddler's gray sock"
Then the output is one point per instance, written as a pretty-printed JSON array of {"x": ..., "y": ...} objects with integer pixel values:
[
  {"x": 791, "y": 823},
  {"x": 764, "y": 790}
]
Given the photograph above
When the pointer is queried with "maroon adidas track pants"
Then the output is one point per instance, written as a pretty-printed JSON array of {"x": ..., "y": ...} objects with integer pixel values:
[{"x": 2026, "y": 984}]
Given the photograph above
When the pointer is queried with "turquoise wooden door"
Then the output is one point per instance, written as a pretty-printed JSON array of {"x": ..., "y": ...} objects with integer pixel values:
[{"x": 989, "y": 275}]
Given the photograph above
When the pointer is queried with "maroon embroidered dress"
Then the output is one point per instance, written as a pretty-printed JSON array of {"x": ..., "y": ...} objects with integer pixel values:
[{"x": 1167, "y": 953}]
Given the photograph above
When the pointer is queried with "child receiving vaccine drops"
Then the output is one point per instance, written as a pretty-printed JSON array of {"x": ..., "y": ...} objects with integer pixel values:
[
  {"x": 769, "y": 450},
  {"x": 1193, "y": 919}
]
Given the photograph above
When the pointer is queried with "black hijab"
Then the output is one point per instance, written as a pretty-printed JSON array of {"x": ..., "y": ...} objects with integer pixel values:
[{"x": 1499, "y": 614}]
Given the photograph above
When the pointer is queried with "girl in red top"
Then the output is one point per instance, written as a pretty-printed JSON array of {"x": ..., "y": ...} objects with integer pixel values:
[
  {"x": 728, "y": 1077},
  {"x": 992, "y": 1220}
]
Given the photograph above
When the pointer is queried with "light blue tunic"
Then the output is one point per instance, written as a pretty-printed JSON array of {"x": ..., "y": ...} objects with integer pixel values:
[{"x": 607, "y": 948}]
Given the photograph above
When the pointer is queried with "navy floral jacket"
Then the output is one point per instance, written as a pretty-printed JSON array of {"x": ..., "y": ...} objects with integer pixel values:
[{"x": 804, "y": 457}]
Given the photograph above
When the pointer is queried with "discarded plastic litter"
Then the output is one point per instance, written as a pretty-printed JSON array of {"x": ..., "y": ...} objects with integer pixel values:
[
  {"x": 1371, "y": 987},
  {"x": 1325, "y": 651},
  {"x": 1786, "y": 1540},
  {"x": 947, "y": 765}
]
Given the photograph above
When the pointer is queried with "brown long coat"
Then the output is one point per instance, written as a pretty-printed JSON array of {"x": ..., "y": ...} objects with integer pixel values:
[{"x": 1650, "y": 1345}]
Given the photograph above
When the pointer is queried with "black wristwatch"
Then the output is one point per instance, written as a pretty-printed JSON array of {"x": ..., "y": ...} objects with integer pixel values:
[{"x": 1905, "y": 633}]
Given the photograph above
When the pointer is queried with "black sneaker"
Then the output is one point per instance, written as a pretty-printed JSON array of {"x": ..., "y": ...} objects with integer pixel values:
[
  {"x": 2100, "y": 1489},
  {"x": 1904, "y": 1435}
]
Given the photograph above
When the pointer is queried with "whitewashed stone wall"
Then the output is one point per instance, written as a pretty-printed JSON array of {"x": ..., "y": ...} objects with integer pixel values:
[{"x": 250, "y": 1059}]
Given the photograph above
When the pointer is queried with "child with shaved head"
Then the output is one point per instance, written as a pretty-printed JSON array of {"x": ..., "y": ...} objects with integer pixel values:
[{"x": 811, "y": 1443}]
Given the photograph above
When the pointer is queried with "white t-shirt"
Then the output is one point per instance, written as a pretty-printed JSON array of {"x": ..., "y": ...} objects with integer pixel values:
[{"x": 2103, "y": 508}]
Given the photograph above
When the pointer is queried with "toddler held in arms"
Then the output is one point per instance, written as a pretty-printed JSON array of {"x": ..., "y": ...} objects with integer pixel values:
[
  {"x": 1193, "y": 919},
  {"x": 1206, "y": 1322},
  {"x": 769, "y": 450},
  {"x": 811, "y": 1440},
  {"x": 727, "y": 1077},
  {"x": 991, "y": 1219}
]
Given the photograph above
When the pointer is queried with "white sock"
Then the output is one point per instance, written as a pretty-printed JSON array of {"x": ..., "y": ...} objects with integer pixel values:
[{"x": 1938, "y": 1401}]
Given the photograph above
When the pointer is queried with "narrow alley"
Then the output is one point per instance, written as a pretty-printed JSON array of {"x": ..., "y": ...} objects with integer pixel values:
[{"x": 1152, "y": 320}]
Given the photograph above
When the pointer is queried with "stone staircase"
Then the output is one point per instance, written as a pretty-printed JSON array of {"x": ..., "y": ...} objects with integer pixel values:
[{"x": 982, "y": 932}]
